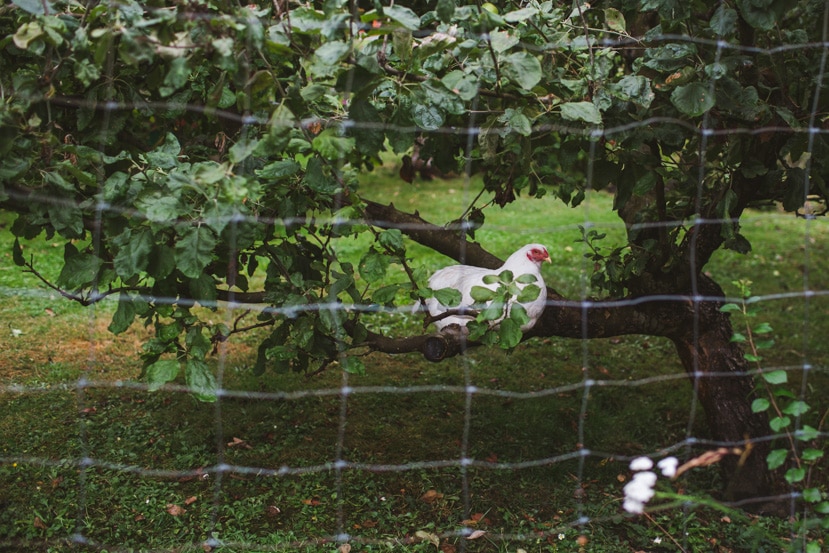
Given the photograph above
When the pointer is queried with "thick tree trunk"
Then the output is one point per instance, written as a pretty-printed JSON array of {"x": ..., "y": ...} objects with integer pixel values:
[{"x": 725, "y": 389}]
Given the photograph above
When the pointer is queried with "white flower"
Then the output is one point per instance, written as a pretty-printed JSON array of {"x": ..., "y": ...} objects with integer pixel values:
[
  {"x": 641, "y": 463},
  {"x": 657, "y": 540},
  {"x": 668, "y": 466},
  {"x": 639, "y": 491},
  {"x": 561, "y": 537},
  {"x": 632, "y": 506}
]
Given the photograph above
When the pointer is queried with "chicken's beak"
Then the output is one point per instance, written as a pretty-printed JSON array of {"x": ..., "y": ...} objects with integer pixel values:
[{"x": 547, "y": 259}]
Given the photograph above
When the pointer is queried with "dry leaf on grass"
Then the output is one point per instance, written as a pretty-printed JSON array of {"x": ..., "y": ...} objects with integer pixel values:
[
  {"x": 175, "y": 510},
  {"x": 431, "y": 496}
]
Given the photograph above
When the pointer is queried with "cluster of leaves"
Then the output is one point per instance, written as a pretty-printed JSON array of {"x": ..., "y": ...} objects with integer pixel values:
[
  {"x": 498, "y": 307},
  {"x": 803, "y": 449},
  {"x": 206, "y": 151}
]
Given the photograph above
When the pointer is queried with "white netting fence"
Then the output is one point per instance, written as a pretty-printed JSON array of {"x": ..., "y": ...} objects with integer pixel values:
[{"x": 464, "y": 388}]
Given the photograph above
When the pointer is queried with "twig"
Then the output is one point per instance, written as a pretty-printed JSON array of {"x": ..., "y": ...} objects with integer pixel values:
[{"x": 91, "y": 299}]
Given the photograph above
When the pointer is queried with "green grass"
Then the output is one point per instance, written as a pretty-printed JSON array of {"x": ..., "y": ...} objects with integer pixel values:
[{"x": 135, "y": 497}]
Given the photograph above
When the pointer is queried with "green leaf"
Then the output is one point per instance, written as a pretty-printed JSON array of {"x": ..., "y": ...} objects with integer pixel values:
[
  {"x": 353, "y": 365},
  {"x": 201, "y": 380},
  {"x": 807, "y": 433},
  {"x": 36, "y": 7},
  {"x": 242, "y": 150},
  {"x": 493, "y": 311},
  {"x": 203, "y": 289},
  {"x": 521, "y": 14},
  {"x": 124, "y": 314},
  {"x": 405, "y": 16},
  {"x": 759, "y": 14},
  {"x": 760, "y": 405},
  {"x": 427, "y": 116},
  {"x": 445, "y": 10},
  {"x": 794, "y": 475},
  {"x": 159, "y": 208},
  {"x": 779, "y": 423},
  {"x": 796, "y": 408},
  {"x": 522, "y": 68},
  {"x": 811, "y": 454},
  {"x": 176, "y": 77},
  {"x": 693, "y": 99},
  {"x": 392, "y": 239},
  {"x": 448, "y": 297},
  {"x": 776, "y": 458},
  {"x": 739, "y": 338},
  {"x": 481, "y": 294},
  {"x": 67, "y": 219},
  {"x": 79, "y": 269},
  {"x": 633, "y": 88},
  {"x": 462, "y": 84},
  {"x": 331, "y": 145},
  {"x": 385, "y": 295},
  {"x": 373, "y": 266},
  {"x": 194, "y": 250},
  {"x": 368, "y": 128},
  {"x": 518, "y": 122},
  {"x": 812, "y": 495},
  {"x": 529, "y": 293},
  {"x": 764, "y": 344},
  {"x": 776, "y": 377},
  {"x": 614, "y": 20},
  {"x": 724, "y": 21},
  {"x": 526, "y": 278},
  {"x": 581, "y": 111},
  {"x": 509, "y": 333},
  {"x": 17, "y": 253},
  {"x": 762, "y": 328},
  {"x": 198, "y": 345},
  {"x": 730, "y": 308},
  {"x": 317, "y": 180},
  {"x": 160, "y": 373},
  {"x": 518, "y": 313},
  {"x": 279, "y": 169},
  {"x": 134, "y": 255}
]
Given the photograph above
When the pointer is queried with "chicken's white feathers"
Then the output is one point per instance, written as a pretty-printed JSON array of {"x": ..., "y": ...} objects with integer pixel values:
[{"x": 527, "y": 260}]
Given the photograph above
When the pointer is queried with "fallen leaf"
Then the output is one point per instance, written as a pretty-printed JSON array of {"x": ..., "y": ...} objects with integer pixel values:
[
  {"x": 190, "y": 500},
  {"x": 476, "y": 534},
  {"x": 49, "y": 311},
  {"x": 313, "y": 502},
  {"x": 38, "y": 523},
  {"x": 431, "y": 496},
  {"x": 344, "y": 548},
  {"x": 238, "y": 442},
  {"x": 273, "y": 511},
  {"x": 175, "y": 510},
  {"x": 426, "y": 536}
]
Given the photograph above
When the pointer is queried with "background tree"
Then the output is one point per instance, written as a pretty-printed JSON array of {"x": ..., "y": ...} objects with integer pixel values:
[{"x": 204, "y": 151}]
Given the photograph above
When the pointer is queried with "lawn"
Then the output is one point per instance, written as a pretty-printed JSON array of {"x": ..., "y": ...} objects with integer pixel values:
[{"x": 433, "y": 464}]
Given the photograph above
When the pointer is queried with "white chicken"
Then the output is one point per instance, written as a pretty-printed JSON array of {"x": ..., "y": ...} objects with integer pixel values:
[{"x": 525, "y": 261}]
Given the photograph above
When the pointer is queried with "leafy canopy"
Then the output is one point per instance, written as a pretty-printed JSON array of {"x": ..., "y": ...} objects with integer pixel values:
[{"x": 183, "y": 152}]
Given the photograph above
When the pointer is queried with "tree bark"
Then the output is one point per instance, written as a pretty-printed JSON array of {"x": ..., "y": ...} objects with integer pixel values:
[{"x": 725, "y": 389}]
